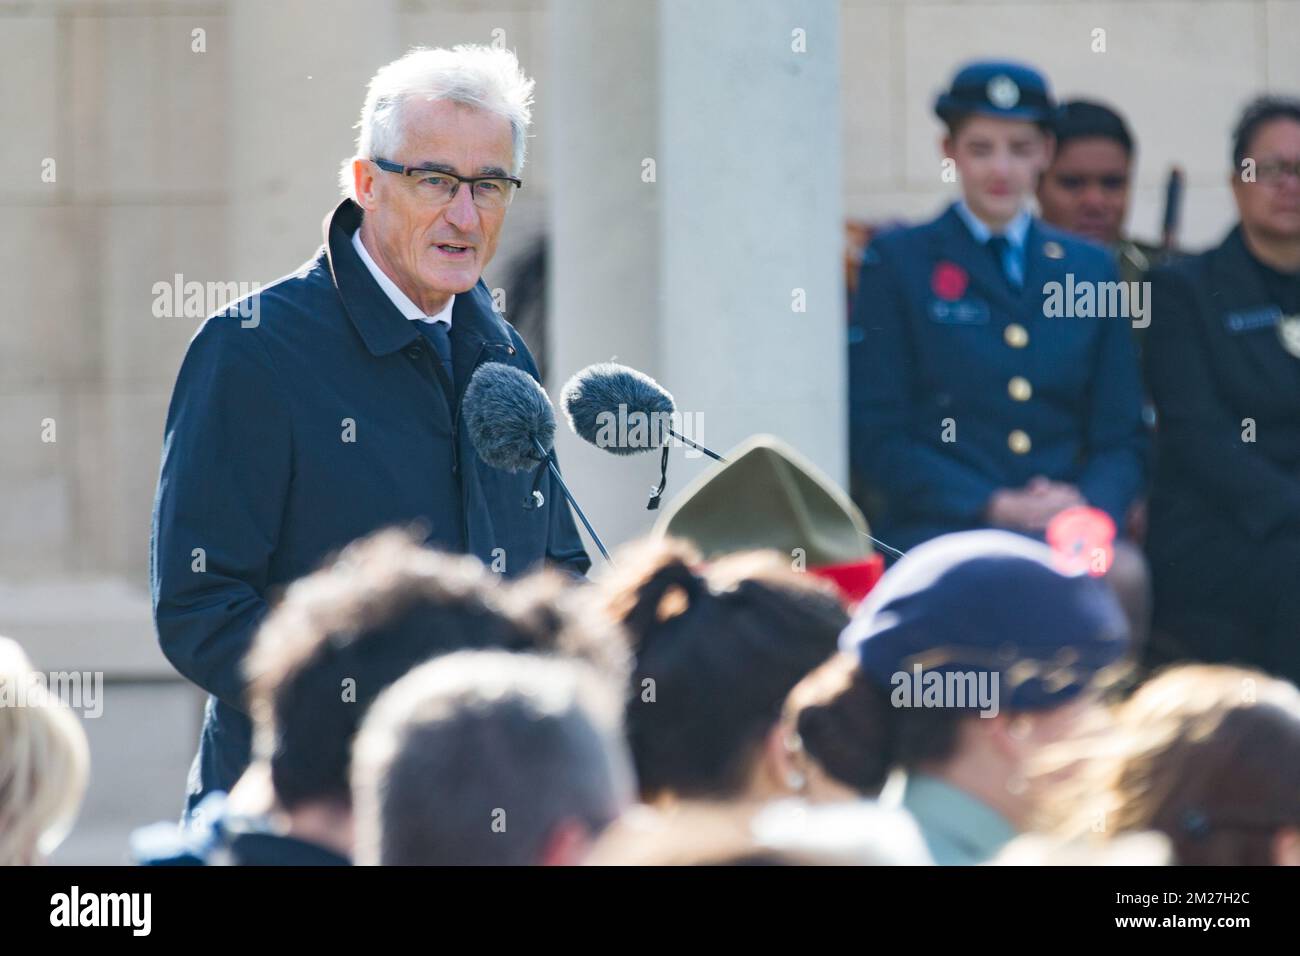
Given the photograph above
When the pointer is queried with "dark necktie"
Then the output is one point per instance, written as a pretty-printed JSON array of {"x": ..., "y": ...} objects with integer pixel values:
[
  {"x": 1000, "y": 246},
  {"x": 439, "y": 335}
]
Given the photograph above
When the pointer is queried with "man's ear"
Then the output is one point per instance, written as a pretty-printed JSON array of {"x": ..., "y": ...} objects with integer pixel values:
[{"x": 363, "y": 183}]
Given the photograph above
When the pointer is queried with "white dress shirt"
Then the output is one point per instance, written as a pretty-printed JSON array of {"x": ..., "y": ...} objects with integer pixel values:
[{"x": 399, "y": 298}]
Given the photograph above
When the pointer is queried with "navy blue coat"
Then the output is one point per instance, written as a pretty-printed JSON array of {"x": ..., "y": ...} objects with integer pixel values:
[
  {"x": 256, "y": 472},
  {"x": 1225, "y": 509},
  {"x": 918, "y": 358}
]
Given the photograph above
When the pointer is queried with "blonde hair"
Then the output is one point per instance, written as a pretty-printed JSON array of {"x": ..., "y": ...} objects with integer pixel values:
[
  {"x": 1208, "y": 755},
  {"x": 44, "y": 762}
]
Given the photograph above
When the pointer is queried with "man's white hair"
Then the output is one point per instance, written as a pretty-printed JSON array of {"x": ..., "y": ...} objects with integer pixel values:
[{"x": 483, "y": 77}]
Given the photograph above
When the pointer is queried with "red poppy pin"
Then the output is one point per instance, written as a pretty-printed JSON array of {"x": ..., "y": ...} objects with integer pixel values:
[
  {"x": 949, "y": 281},
  {"x": 1083, "y": 539}
]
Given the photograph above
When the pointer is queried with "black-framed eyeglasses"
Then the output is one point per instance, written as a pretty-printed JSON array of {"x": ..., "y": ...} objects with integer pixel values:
[
  {"x": 1272, "y": 171},
  {"x": 438, "y": 187}
]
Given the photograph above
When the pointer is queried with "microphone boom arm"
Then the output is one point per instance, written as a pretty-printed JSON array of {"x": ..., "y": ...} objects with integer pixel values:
[
  {"x": 698, "y": 447},
  {"x": 549, "y": 458}
]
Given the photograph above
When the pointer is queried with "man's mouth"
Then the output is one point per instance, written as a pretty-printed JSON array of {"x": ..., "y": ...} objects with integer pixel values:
[{"x": 456, "y": 250}]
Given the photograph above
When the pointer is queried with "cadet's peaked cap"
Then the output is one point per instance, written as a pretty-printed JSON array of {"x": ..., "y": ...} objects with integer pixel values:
[{"x": 997, "y": 88}]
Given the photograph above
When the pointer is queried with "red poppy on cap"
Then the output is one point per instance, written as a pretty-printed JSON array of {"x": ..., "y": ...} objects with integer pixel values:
[
  {"x": 853, "y": 579},
  {"x": 1083, "y": 539},
  {"x": 949, "y": 281}
]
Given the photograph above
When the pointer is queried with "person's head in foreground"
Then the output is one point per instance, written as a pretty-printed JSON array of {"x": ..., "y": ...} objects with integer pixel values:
[
  {"x": 44, "y": 763},
  {"x": 1266, "y": 173},
  {"x": 1208, "y": 755},
  {"x": 999, "y": 139},
  {"x": 1086, "y": 188},
  {"x": 976, "y": 654},
  {"x": 716, "y": 648},
  {"x": 490, "y": 758},
  {"x": 345, "y": 633},
  {"x": 443, "y": 135}
]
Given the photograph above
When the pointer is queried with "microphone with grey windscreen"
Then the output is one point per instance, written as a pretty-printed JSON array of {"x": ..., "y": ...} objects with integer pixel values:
[
  {"x": 608, "y": 394},
  {"x": 599, "y": 394},
  {"x": 625, "y": 412},
  {"x": 511, "y": 424}
]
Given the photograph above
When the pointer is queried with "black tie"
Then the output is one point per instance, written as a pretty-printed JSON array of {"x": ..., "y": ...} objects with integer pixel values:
[
  {"x": 1000, "y": 246},
  {"x": 438, "y": 334}
]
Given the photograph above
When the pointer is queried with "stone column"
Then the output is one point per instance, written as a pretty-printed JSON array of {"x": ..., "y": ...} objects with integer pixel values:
[{"x": 697, "y": 227}]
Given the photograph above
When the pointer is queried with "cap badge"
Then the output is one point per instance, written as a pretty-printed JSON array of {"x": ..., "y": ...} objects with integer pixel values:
[{"x": 1003, "y": 92}]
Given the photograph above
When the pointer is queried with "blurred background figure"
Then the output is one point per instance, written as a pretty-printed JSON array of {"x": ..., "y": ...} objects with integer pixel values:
[
  {"x": 1223, "y": 366},
  {"x": 716, "y": 648},
  {"x": 44, "y": 763},
  {"x": 1012, "y": 654},
  {"x": 1087, "y": 188},
  {"x": 488, "y": 758},
  {"x": 969, "y": 404},
  {"x": 1207, "y": 755}
]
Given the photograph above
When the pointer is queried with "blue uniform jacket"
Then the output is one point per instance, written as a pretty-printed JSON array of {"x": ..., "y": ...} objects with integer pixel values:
[
  {"x": 290, "y": 433},
  {"x": 960, "y": 385}
]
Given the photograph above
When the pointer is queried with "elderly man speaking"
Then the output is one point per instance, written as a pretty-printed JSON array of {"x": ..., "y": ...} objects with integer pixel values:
[{"x": 338, "y": 410}]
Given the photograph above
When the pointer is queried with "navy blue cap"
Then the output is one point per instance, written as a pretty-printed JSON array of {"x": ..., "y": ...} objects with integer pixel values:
[
  {"x": 990, "y": 602},
  {"x": 997, "y": 88}
]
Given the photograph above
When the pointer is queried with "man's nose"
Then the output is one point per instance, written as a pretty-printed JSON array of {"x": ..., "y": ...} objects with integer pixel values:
[{"x": 461, "y": 211}]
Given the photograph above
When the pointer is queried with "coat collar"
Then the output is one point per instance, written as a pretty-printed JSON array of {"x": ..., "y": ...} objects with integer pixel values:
[
  {"x": 1235, "y": 278},
  {"x": 954, "y": 242},
  {"x": 381, "y": 324}
]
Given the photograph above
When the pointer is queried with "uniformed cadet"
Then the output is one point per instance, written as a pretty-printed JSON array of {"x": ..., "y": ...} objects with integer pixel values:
[
  {"x": 1086, "y": 189},
  {"x": 976, "y": 398},
  {"x": 976, "y": 652},
  {"x": 1223, "y": 365}
]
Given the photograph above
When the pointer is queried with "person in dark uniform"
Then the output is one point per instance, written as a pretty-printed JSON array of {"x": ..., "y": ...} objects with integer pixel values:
[
  {"x": 972, "y": 403},
  {"x": 1086, "y": 189},
  {"x": 1223, "y": 364}
]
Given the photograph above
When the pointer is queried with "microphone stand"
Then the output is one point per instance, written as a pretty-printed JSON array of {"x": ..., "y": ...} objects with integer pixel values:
[{"x": 549, "y": 458}]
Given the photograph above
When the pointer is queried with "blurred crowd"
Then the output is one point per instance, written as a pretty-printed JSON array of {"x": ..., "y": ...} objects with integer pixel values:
[{"x": 697, "y": 706}]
